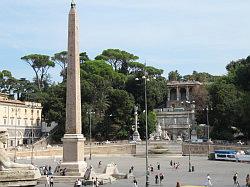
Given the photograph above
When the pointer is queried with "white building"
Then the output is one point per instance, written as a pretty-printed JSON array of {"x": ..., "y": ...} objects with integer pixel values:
[{"x": 22, "y": 120}]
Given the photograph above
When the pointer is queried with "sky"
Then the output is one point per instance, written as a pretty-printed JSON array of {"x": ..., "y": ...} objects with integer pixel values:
[{"x": 183, "y": 35}]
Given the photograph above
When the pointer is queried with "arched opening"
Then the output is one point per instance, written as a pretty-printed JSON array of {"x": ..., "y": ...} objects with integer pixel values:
[
  {"x": 183, "y": 94},
  {"x": 173, "y": 94}
]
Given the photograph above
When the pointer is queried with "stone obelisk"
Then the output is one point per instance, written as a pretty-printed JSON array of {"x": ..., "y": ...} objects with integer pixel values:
[{"x": 73, "y": 140}]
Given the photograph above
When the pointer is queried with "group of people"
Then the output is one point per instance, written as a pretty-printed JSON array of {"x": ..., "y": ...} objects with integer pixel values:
[
  {"x": 49, "y": 181},
  {"x": 174, "y": 165},
  {"x": 236, "y": 181},
  {"x": 79, "y": 182}
]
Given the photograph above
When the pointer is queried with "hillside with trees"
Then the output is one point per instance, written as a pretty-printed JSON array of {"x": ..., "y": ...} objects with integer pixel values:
[{"x": 111, "y": 84}]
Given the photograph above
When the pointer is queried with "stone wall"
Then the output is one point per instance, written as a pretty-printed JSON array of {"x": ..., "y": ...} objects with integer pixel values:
[
  {"x": 58, "y": 151},
  {"x": 204, "y": 149}
]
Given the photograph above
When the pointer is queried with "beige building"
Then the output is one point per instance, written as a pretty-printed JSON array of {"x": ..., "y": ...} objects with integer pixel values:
[
  {"x": 22, "y": 120},
  {"x": 179, "y": 114}
]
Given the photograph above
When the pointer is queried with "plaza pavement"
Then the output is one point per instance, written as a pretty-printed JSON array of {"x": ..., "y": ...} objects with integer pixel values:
[{"x": 221, "y": 172}]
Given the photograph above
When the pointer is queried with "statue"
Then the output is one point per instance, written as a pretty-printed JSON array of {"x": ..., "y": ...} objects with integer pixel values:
[{"x": 14, "y": 174}]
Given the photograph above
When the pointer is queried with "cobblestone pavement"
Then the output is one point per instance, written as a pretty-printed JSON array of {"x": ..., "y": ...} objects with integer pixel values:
[{"x": 221, "y": 172}]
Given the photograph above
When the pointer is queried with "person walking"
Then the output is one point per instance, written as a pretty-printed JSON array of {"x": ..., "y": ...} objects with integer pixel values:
[
  {"x": 78, "y": 183},
  {"x": 248, "y": 181},
  {"x": 47, "y": 181},
  {"x": 171, "y": 163},
  {"x": 208, "y": 181},
  {"x": 178, "y": 184},
  {"x": 235, "y": 179},
  {"x": 161, "y": 177},
  {"x": 135, "y": 182},
  {"x": 158, "y": 166},
  {"x": 51, "y": 182},
  {"x": 156, "y": 178}
]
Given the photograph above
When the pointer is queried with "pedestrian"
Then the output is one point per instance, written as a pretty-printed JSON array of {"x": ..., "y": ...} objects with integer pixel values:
[
  {"x": 93, "y": 182},
  {"x": 161, "y": 177},
  {"x": 47, "y": 181},
  {"x": 235, "y": 179},
  {"x": 132, "y": 168},
  {"x": 152, "y": 168},
  {"x": 174, "y": 165},
  {"x": 177, "y": 165},
  {"x": 158, "y": 166},
  {"x": 129, "y": 171},
  {"x": 78, "y": 183},
  {"x": 135, "y": 182},
  {"x": 51, "y": 182},
  {"x": 208, "y": 181},
  {"x": 248, "y": 181},
  {"x": 99, "y": 164},
  {"x": 156, "y": 179},
  {"x": 171, "y": 163},
  {"x": 178, "y": 184},
  {"x": 96, "y": 182}
]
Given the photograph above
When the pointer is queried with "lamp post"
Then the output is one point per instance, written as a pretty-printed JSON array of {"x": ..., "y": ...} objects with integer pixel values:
[
  {"x": 15, "y": 158},
  {"x": 32, "y": 133},
  {"x": 90, "y": 134},
  {"x": 208, "y": 126},
  {"x": 146, "y": 125},
  {"x": 189, "y": 134}
]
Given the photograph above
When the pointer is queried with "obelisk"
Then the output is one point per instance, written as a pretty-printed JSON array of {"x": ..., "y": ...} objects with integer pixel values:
[{"x": 73, "y": 140}]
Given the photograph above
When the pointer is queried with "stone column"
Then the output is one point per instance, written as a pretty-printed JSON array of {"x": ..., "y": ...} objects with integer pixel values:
[
  {"x": 187, "y": 93},
  {"x": 177, "y": 93},
  {"x": 136, "y": 135},
  {"x": 169, "y": 94},
  {"x": 73, "y": 140}
]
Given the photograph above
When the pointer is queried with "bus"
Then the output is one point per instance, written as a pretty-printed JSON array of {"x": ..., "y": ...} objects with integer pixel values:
[
  {"x": 232, "y": 155},
  {"x": 225, "y": 155}
]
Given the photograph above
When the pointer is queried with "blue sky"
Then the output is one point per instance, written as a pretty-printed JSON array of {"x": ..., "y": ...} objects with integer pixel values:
[{"x": 187, "y": 35}]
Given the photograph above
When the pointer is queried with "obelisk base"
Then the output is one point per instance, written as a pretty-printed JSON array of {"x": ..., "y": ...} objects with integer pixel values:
[{"x": 73, "y": 155}]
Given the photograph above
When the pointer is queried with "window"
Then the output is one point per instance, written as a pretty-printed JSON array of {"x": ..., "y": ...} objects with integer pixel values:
[
  {"x": 25, "y": 111},
  {"x": 25, "y": 122},
  {"x": 37, "y": 113},
  {"x": 18, "y": 121},
  {"x": 11, "y": 121},
  {"x": 5, "y": 110},
  {"x": 4, "y": 121},
  {"x": 37, "y": 122},
  {"x": 11, "y": 143},
  {"x": 31, "y": 122}
]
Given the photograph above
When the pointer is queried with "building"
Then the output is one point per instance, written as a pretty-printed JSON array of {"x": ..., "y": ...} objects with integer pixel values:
[
  {"x": 179, "y": 115},
  {"x": 21, "y": 119}
]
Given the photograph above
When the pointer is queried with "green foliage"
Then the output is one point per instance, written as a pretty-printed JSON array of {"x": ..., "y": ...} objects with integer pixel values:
[
  {"x": 40, "y": 64},
  {"x": 174, "y": 76},
  {"x": 151, "y": 123},
  {"x": 118, "y": 59}
]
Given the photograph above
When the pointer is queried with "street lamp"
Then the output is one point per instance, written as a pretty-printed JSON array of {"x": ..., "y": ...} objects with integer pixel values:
[
  {"x": 146, "y": 124},
  {"x": 15, "y": 158},
  {"x": 90, "y": 134},
  {"x": 208, "y": 126},
  {"x": 189, "y": 135}
]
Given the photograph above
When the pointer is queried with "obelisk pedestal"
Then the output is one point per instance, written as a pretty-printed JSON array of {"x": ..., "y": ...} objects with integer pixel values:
[{"x": 73, "y": 140}]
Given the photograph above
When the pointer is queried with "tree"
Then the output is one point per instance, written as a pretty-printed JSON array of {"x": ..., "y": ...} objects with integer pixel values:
[
  {"x": 84, "y": 57},
  {"x": 174, "y": 76},
  {"x": 151, "y": 123},
  {"x": 40, "y": 64},
  {"x": 118, "y": 59},
  {"x": 61, "y": 59},
  {"x": 225, "y": 99}
]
